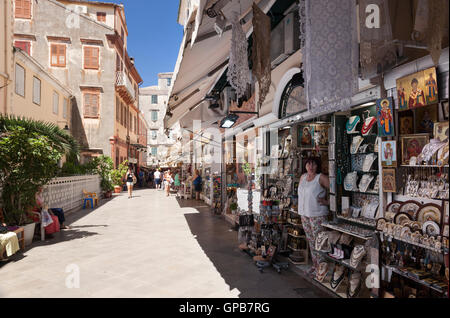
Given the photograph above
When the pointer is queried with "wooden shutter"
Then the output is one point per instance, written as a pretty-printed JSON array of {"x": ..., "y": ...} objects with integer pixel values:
[
  {"x": 24, "y": 46},
  {"x": 23, "y": 9},
  {"x": 36, "y": 90},
  {"x": 91, "y": 105},
  {"x": 55, "y": 102},
  {"x": 91, "y": 57},
  {"x": 20, "y": 80},
  {"x": 58, "y": 55}
]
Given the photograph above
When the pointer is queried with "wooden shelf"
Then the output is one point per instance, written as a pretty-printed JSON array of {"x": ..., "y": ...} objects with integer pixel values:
[
  {"x": 371, "y": 193},
  {"x": 297, "y": 236},
  {"x": 297, "y": 250},
  {"x": 300, "y": 225},
  {"x": 353, "y": 220},
  {"x": 338, "y": 292},
  {"x": 324, "y": 254},
  {"x": 297, "y": 263},
  {"x": 415, "y": 244},
  {"x": 424, "y": 166},
  {"x": 405, "y": 274},
  {"x": 339, "y": 229}
]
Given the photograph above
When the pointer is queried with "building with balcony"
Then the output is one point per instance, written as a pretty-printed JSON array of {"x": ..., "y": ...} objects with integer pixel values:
[
  {"x": 83, "y": 44},
  {"x": 6, "y": 62},
  {"x": 153, "y": 102}
]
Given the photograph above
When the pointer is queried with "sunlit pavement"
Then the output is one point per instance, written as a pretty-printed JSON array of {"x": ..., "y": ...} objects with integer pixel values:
[{"x": 147, "y": 246}]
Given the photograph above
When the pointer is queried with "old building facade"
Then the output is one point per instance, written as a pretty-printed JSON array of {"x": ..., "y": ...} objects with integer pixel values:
[{"x": 84, "y": 45}]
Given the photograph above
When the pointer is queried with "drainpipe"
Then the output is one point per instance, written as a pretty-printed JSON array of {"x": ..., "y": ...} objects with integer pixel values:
[{"x": 5, "y": 97}]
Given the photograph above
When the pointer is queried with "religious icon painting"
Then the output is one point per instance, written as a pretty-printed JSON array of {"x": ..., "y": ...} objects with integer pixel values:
[
  {"x": 441, "y": 131},
  {"x": 425, "y": 119},
  {"x": 406, "y": 122},
  {"x": 418, "y": 89},
  {"x": 445, "y": 109},
  {"x": 389, "y": 153},
  {"x": 412, "y": 146},
  {"x": 385, "y": 117},
  {"x": 306, "y": 136},
  {"x": 389, "y": 180}
]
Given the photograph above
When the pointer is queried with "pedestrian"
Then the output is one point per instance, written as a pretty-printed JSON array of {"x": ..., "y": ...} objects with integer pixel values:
[
  {"x": 157, "y": 176},
  {"x": 197, "y": 184},
  {"x": 168, "y": 180},
  {"x": 177, "y": 182},
  {"x": 150, "y": 179},
  {"x": 141, "y": 179},
  {"x": 312, "y": 205},
  {"x": 131, "y": 179}
]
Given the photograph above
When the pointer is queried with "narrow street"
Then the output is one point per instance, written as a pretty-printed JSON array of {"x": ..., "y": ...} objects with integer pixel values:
[{"x": 148, "y": 246}]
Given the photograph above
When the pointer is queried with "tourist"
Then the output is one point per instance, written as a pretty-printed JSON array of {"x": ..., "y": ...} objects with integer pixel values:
[
  {"x": 177, "y": 182},
  {"x": 157, "y": 176},
  {"x": 130, "y": 177},
  {"x": 312, "y": 205},
  {"x": 168, "y": 180},
  {"x": 197, "y": 184}
]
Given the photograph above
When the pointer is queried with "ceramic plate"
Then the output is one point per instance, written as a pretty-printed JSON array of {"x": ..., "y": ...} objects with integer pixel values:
[
  {"x": 410, "y": 207},
  {"x": 402, "y": 218},
  {"x": 431, "y": 228},
  {"x": 393, "y": 206},
  {"x": 405, "y": 232},
  {"x": 429, "y": 212}
]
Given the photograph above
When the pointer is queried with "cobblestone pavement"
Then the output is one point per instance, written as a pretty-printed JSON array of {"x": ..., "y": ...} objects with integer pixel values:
[{"x": 147, "y": 246}]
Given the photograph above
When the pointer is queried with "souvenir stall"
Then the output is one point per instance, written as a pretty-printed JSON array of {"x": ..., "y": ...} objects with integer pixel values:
[
  {"x": 230, "y": 210},
  {"x": 354, "y": 200},
  {"x": 414, "y": 231}
]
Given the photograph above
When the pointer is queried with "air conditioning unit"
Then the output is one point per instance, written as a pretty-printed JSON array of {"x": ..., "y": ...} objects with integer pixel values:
[{"x": 284, "y": 39}]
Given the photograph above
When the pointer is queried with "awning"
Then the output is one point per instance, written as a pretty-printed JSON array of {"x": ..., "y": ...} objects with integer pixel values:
[
  {"x": 200, "y": 64},
  {"x": 204, "y": 114}
]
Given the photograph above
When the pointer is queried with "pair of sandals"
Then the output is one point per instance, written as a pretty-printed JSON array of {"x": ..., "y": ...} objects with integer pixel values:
[{"x": 337, "y": 253}]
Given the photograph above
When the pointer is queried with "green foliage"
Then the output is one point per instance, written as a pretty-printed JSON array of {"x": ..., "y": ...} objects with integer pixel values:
[
  {"x": 233, "y": 206},
  {"x": 29, "y": 155},
  {"x": 104, "y": 167},
  {"x": 118, "y": 174},
  {"x": 246, "y": 167}
]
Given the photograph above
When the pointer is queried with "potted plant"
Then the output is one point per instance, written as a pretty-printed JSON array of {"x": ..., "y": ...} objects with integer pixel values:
[
  {"x": 29, "y": 155},
  {"x": 117, "y": 176},
  {"x": 103, "y": 166},
  {"x": 233, "y": 207}
]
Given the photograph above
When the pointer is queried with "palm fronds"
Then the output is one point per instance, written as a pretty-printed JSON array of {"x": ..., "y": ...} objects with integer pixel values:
[{"x": 57, "y": 135}]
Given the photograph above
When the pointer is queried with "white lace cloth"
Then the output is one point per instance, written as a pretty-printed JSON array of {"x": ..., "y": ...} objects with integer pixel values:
[
  {"x": 330, "y": 53},
  {"x": 238, "y": 71}
]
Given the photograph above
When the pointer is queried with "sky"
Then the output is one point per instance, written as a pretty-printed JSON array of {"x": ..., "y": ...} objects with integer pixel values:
[{"x": 154, "y": 36}]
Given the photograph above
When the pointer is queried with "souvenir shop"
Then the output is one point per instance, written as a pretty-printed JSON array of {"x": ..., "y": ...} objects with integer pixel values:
[{"x": 387, "y": 163}]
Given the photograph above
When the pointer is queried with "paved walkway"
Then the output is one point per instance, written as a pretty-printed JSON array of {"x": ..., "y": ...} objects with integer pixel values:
[{"x": 148, "y": 246}]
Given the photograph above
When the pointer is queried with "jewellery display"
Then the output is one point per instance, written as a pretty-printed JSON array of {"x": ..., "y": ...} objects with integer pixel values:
[
  {"x": 442, "y": 156},
  {"x": 350, "y": 181},
  {"x": 337, "y": 276},
  {"x": 429, "y": 150},
  {"x": 354, "y": 286},
  {"x": 322, "y": 271},
  {"x": 368, "y": 162},
  {"x": 365, "y": 182},
  {"x": 322, "y": 242},
  {"x": 427, "y": 183},
  {"x": 351, "y": 124},
  {"x": 356, "y": 142},
  {"x": 358, "y": 253},
  {"x": 368, "y": 125}
]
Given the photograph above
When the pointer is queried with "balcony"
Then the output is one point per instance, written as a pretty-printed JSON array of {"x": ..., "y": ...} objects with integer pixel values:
[{"x": 125, "y": 88}]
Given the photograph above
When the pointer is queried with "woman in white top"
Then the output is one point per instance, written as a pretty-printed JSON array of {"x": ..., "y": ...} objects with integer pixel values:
[{"x": 312, "y": 204}]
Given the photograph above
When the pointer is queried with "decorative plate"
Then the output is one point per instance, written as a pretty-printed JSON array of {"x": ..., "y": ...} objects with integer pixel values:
[
  {"x": 410, "y": 207},
  {"x": 381, "y": 223},
  {"x": 405, "y": 233},
  {"x": 389, "y": 216},
  {"x": 394, "y": 206},
  {"x": 431, "y": 228},
  {"x": 415, "y": 226},
  {"x": 429, "y": 212},
  {"x": 401, "y": 218}
]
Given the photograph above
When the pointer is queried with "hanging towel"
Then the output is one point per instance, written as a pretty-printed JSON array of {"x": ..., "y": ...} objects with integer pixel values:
[{"x": 10, "y": 243}]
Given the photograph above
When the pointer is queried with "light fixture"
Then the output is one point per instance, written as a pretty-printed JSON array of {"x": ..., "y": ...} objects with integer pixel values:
[
  {"x": 368, "y": 104},
  {"x": 229, "y": 121},
  {"x": 66, "y": 128},
  {"x": 219, "y": 24}
]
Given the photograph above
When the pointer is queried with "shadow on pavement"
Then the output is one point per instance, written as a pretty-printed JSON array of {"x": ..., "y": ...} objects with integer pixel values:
[{"x": 220, "y": 243}]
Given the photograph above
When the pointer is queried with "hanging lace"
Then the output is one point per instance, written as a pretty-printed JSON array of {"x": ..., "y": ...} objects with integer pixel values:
[
  {"x": 238, "y": 74},
  {"x": 261, "y": 52},
  {"x": 436, "y": 21},
  {"x": 330, "y": 53}
]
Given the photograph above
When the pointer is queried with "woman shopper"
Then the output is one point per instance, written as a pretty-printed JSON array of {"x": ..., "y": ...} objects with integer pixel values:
[
  {"x": 312, "y": 205},
  {"x": 168, "y": 181},
  {"x": 177, "y": 182},
  {"x": 197, "y": 184},
  {"x": 130, "y": 181}
]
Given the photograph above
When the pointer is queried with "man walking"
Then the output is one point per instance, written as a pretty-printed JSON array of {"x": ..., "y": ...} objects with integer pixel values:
[{"x": 157, "y": 176}]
